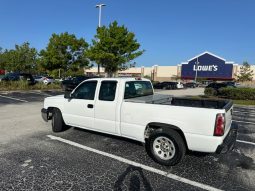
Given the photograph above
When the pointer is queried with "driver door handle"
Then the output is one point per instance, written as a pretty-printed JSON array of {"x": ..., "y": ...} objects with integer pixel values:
[{"x": 90, "y": 106}]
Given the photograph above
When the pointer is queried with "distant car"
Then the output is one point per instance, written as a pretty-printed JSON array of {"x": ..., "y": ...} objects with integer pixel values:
[
  {"x": 179, "y": 85},
  {"x": 70, "y": 83},
  {"x": 190, "y": 85},
  {"x": 19, "y": 76},
  {"x": 39, "y": 78},
  {"x": 48, "y": 80},
  {"x": 166, "y": 85},
  {"x": 206, "y": 83},
  {"x": 217, "y": 86},
  {"x": 230, "y": 83}
]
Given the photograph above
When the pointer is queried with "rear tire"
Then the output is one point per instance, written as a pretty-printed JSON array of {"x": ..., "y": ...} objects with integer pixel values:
[
  {"x": 57, "y": 121},
  {"x": 166, "y": 147}
]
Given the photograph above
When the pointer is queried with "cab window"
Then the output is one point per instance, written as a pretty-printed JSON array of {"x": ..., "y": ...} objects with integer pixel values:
[{"x": 137, "y": 89}]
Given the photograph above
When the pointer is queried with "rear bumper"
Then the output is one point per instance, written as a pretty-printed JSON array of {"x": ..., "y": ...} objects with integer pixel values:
[
  {"x": 229, "y": 141},
  {"x": 45, "y": 114}
]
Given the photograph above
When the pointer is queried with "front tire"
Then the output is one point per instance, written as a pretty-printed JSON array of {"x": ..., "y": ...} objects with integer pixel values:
[
  {"x": 57, "y": 122},
  {"x": 166, "y": 147}
]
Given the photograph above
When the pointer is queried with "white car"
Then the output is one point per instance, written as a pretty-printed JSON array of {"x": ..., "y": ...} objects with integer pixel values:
[
  {"x": 39, "y": 78},
  {"x": 180, "y": 85},
  {"x": 48, "y": 80},
  {"x": 128, "y": 107}
]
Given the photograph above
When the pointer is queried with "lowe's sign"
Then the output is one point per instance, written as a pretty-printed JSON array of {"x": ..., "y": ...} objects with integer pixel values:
[{"x": 207, "y": 65}]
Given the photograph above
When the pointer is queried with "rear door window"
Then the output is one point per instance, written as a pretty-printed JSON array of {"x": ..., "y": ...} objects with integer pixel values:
[{"x": 107, "y": 90}]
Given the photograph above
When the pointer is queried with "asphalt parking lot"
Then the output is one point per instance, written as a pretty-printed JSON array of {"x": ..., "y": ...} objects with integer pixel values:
[{"x": 32, "y": 157}]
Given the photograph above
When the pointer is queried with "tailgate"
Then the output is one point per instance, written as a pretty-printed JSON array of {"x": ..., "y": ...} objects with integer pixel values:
[{"x": 228, "y": 115}]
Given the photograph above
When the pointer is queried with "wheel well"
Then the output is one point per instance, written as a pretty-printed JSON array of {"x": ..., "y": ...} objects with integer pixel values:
[
  {"x": 50, "y": 111},
  {"x": 155, "y": 126}
]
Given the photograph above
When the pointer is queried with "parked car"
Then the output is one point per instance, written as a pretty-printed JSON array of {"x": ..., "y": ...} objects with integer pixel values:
[
  {"x": 190, "y": 85},
  {"x": 70, "y": 83},
  {"x": 127, "y": 107},
  {"x": 179, "y": 85},
  {"x": 166, "y": 85},
  {"x": 205, "y": 83},
  {"x": 19, "y": 76},
  {"x": 230, "y": 83},
  {"x": 39, "y": 78},
  {"x": 48, "y": 80},
  {"x": 216, "y": 86}
]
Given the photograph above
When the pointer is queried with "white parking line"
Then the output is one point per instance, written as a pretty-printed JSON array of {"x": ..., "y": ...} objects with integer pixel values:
[
  {"x": 40, "y": 93},
  {"x": 148, "y": 168},
  {"x": 243, "y": 122},
  {"x": 13, "y": 98},
  {"x": 247, "y": 142}
]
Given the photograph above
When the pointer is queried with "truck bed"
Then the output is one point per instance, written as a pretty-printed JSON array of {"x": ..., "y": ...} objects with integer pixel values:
[{"x": 182, "y": 101}]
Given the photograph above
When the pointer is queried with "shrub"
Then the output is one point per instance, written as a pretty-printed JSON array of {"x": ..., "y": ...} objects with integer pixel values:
[
  {"x": 237, "y": 93},
  {"x": 23, "y": 85},
  {"x": 210, "y": 92}
]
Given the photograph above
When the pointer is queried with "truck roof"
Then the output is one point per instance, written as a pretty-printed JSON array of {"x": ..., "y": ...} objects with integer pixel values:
[{"x": 120, "y": 79}]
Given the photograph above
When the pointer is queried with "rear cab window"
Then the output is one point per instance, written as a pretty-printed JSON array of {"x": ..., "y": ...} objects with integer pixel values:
[{"x": 137, "y": 89}]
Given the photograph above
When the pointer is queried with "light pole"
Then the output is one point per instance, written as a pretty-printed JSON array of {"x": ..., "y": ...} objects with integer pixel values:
[
  {"x": 99, "y": 25},
  {"x": 196, "y": 70}
]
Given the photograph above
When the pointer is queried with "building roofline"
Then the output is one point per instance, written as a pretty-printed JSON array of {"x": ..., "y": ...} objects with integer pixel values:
[{"x": 207, "y": 52}]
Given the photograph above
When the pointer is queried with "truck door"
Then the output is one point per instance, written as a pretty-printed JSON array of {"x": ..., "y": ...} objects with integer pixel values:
[
  {"x": 79, "y": 110},
  {"x": 105, "y": 109}
]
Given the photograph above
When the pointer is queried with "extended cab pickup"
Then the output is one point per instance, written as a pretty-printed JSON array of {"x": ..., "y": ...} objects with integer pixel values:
[{"x": 128, "y": 107}]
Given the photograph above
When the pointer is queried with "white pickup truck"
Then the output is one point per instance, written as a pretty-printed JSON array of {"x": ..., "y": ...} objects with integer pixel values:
[{"x": 128, "y": 107}]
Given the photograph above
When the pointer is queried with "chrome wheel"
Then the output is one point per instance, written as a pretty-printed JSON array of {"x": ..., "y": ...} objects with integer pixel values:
[{"x": 164, "y": 148}]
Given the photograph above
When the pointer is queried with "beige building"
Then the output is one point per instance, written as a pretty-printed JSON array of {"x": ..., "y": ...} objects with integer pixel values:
[
  {"x": 205, "y": 65},
  {"x": 158, "y": 73}
]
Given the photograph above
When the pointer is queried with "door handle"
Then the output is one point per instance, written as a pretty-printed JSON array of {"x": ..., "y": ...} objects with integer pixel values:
[{"x": 90, "y": 106}]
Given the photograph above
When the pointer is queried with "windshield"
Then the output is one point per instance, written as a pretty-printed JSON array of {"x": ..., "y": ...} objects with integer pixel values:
[{"x": 137, "y": 89}]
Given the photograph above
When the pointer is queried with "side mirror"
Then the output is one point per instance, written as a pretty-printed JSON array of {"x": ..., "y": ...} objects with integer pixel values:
[{"x": 68, "y": 95}]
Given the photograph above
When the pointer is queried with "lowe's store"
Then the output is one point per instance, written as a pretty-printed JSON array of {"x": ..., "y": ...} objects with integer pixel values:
[{"x": 208, "y": 66}]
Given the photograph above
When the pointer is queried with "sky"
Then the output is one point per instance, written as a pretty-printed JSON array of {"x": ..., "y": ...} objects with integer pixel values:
[{"x": 170, "y": 31}]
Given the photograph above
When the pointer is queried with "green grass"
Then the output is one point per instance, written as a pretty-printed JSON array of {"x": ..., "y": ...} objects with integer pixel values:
[
  {"x": 244, "y": 102},
  {"x": 23, "y": 85}
]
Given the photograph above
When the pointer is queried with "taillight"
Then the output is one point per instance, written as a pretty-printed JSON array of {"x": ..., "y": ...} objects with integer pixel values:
[{"x": 219, "y": 125}]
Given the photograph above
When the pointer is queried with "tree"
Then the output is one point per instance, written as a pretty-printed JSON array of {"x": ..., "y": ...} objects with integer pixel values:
[
  {"x": 21, "y": 59},
  {"x": 64, "y": 52},
  {"x": 113, "y": 48},
  {"x": 245, "y": 74}
]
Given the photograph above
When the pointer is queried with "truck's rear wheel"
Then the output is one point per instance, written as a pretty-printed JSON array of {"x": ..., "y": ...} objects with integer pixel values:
[
  {"x": 57, "y": 122},
  {"x": 166, "y": 147}
]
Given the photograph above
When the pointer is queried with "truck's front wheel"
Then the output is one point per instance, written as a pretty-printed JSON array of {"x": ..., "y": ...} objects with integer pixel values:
[
  {"x": 166, "y": 147},
  {"x": 57, "y": 122}
]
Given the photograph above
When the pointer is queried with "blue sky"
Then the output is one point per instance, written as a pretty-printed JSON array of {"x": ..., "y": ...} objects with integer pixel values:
[{"x": 171, "y": 31}]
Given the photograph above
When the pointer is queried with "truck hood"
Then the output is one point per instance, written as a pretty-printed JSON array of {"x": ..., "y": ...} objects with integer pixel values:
[{"x": 56, "y": 97}]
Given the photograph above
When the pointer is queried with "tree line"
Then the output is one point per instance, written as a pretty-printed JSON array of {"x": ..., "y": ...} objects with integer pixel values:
[{"x": 113, "y": 48}]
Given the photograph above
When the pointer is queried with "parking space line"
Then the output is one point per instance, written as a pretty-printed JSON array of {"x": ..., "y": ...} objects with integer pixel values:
[
  {"x": 247, "y": 142},
  {"x": 40, "y": 93},
  {"x": 14, "y": 98},
  {"x": 243, "y": 122},
  {"x": 148, "y": 168}
]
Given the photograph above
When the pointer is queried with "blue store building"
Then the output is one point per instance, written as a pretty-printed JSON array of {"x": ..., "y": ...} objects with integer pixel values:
[{"x": 208, "y": 66}]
